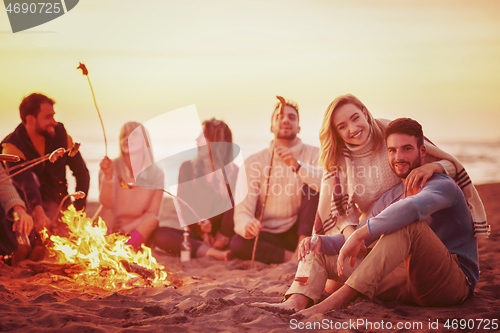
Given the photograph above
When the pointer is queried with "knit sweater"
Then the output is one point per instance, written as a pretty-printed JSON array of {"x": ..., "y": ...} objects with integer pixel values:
[
  {"x": 371, "y": 174},
  {"x": 46, "y": 182},
  {"x": 8, "y": 194},
  {"x": 363, "y": 177},
  {"x": 283, "y": 202},
  {"x": 128, "y": 204}
]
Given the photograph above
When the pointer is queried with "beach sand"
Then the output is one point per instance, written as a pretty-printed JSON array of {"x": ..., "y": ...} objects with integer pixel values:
[{"x": 214, "y": 296}]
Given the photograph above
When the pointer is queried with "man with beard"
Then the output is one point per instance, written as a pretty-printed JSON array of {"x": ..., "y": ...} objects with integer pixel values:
[
  {"x": 43, "y": 186},
  {"x": 293, "y": 198},
  {"x": 426, "y": 252}
]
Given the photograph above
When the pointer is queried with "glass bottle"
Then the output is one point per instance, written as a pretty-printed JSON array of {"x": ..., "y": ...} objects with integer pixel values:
[
  {"x": 186, "y": 247},
  {"x": 22, "y": 239},
  {"x": 305, "y": 264}
]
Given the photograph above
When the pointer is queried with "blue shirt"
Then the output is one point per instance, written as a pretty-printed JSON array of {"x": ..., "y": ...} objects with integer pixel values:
[{"x": 441, "y": 204}]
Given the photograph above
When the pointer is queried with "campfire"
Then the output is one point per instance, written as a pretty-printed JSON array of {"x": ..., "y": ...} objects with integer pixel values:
[{"x": 96, "y": 259}]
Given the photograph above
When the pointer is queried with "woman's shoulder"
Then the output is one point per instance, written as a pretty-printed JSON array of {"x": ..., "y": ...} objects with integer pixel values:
[{"x": 384, "y": 121}]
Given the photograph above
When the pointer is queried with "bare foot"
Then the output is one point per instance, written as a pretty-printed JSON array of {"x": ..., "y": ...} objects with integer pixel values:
[
  {"x": 218, "y": 254},
  {"x": 335, "y": 301},
  {"x": 294, "y": 303}
]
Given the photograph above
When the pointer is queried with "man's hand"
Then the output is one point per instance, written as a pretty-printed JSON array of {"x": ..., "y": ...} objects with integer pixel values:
[
  {"x": 25, "y": 223},
  {"x": 205, "y": 226},
  {"x": 107, "y": 167},
  {"x": 41, "y": 220},
  {"x": 351, "y": 249},
  {"x": 306, "y": 246},
  {"x": 252, "y": 228},
  {"x": 287, "y": 156},
  {"x": 420, "y": 175}
]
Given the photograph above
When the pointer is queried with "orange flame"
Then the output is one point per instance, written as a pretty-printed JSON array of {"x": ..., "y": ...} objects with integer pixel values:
[{"x": 103, "y": 257}]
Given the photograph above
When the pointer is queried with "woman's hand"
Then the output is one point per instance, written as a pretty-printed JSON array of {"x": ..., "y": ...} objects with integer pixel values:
[
  {"x": 107, "y": 168},
  {"x": 420, "y": 175}
]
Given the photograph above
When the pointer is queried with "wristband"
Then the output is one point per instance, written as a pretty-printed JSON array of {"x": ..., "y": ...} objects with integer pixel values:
[{"x": 296, "y": 170}]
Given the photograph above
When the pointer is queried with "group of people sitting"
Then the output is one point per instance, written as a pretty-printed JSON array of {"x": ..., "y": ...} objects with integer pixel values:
[{"x": 378, "y": 193}]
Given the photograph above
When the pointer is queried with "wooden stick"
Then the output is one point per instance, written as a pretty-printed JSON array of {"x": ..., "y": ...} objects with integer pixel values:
[
  {"x": 86, "y": 73},
  {"x": 31, "y": 163},
  {"x": 280, "y": 114}
]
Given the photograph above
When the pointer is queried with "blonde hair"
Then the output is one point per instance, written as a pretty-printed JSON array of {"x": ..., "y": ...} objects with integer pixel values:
[
  {"x": 331, "y": 142},
  {"x": 148, "y": 177}
]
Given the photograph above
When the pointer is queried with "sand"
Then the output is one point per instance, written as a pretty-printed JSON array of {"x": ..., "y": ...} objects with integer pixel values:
[{"x": 214, "y": 296}]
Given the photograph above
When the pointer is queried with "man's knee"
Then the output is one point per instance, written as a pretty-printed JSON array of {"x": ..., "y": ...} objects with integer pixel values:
[{"x": 240, "y": 247}]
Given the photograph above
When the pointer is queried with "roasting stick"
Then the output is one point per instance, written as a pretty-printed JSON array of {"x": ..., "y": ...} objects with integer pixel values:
[
  {"x": 76, "y": 195},
  {"x": 276, "y": 130},
  {"x": 129, "y": 186},
  {"x": 86, "y": 73},
  {"x": 52, "y": 157}
]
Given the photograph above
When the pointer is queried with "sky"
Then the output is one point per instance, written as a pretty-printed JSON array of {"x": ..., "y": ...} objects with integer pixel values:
[{"x": 435, "y": 61}]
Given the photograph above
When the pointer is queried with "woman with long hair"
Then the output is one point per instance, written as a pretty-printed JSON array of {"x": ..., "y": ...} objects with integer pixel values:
[
  {"x": 357, "y": 173},
  {"x": 129, "y": 208},
  {"x": 200, "y": 188}
]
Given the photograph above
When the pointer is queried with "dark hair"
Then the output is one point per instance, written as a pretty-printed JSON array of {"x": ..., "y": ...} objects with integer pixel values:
[
  {"x": 289, "y": 103},
  {"x": 406, "y": 126},
  {"x": 218, "y": 131},
  {"x": 30, "y": 105}
]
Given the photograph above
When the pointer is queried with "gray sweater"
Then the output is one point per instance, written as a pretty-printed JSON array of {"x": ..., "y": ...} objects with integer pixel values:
[{"x": 284, "y": 198}]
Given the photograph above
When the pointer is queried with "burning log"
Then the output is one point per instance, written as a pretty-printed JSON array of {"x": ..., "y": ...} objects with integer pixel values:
[
  {"x": 107, "y": 261},
  {"x": 69, "y": 270},
  {"x": 146, "y": 274}
]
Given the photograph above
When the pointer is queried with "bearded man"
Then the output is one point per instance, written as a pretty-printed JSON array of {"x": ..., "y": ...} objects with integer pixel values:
[
  {"x": 426, "y": 253},
  {"x": 43, "y": 186},
  {"x": 293, "y": 198}
]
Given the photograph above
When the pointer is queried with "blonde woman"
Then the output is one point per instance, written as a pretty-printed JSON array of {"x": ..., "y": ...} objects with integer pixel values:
[
  {"x": 128, "y": 208},
  {"x": 353, "y": 154},
  {"x": 357, "y": 173}
]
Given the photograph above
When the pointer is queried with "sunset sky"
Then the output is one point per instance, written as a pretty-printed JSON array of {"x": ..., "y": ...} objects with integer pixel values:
[{"x": 435, "y": 61}]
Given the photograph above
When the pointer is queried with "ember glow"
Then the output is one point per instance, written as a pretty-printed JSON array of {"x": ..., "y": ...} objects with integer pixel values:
[{"x": 99, "y": 260}]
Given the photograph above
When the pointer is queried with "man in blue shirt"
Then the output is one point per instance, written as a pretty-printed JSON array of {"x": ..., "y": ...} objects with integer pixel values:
[{"x": 426, "y": 252}]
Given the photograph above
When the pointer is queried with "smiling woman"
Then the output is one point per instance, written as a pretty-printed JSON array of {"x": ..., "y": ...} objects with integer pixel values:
[{"x": 352, "y": 141}]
